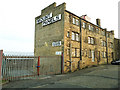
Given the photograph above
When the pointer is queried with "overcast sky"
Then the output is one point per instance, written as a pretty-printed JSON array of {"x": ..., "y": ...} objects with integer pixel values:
[{"x": 17, "y": 19}]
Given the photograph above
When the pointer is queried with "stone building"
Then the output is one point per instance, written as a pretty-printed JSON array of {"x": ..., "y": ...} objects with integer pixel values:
[
  {"x": 117, "y": 48},
  {"x": 82, "y": 43}
]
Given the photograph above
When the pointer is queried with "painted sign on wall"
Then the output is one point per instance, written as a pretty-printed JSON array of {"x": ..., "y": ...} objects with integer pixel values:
[
  {"x": 58, "y": 53},
  {"x": 48, "y": 19},
  {"x": 58, "y": 43}
]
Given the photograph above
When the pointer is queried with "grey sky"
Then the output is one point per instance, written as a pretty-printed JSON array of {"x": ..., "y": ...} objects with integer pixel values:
[{"x": 17, "y": 19}]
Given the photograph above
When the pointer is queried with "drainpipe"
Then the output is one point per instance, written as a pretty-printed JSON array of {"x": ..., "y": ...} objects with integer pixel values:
[
  {"x": 106, "y": 46},
  {"x": 80, "y": 41},
  {"x": 80, "y": 45}
]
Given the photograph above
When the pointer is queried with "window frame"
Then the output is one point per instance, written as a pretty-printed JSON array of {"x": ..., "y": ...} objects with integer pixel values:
[
  {"x": 77, "y": 22},
  {"x": 73, "y": 36},
  {"x": 73, "y": 20}
]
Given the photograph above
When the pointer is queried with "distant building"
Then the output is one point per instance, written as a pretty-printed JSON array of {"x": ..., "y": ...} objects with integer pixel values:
[
  {"x": 82, "y": 43},
  {"x": 117, "y": 48}
]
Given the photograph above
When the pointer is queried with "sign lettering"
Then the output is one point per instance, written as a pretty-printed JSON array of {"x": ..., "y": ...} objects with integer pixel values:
[{"x": 48, "y": 19}]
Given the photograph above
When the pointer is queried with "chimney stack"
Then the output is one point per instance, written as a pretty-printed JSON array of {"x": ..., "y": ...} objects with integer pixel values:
[{"x": 98, "y": 22}]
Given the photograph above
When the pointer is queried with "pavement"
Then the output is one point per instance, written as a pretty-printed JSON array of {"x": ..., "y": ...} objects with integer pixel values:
[{"x": 103, "y": 76}]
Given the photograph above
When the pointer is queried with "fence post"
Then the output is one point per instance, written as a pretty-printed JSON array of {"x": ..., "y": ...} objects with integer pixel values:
[
  {"x": 38, "y": 65},
  {"x": 1, "y": 56},
  {"x": 62, "y": 66}
]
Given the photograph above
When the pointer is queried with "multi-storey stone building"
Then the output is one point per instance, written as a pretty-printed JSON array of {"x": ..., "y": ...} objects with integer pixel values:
[
  {"x": 82, "y": 43},
  {"x": 117, "y": 48}
]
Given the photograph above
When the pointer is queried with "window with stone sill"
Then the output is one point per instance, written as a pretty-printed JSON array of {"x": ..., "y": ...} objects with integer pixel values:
[
  {"x": 103, "y": 33},
  {"x": 111, "y": 45},
  {"x": 83, "y": 25},
  {"x": 103, "y": 43},
  {"x": 92, "y": 28},
  {"x": 107, "y": 35},
  {"x": 68, "y": 34},
  {"x": 73, "y": 20},
  {"x": 73, "y": 52},
  {"x": 77, "y": 37},
  {"x": 91, "y": 40},
  {"x": 73, "y": 36},
  {"x": 77, "y": 22},
  {"x": 97, "y": 30},
  {"x": 104, "y": 54},
  {"x": 89, "y": 53},
  {"x": 68, "y": 51},
  {"x": 89, "y": 27}
]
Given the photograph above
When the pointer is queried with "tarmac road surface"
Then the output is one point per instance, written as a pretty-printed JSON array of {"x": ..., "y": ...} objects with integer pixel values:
[{"x": 103, "y": 76}]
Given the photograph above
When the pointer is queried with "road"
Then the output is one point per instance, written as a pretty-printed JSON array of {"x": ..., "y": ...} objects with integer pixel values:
[{"x": 103, "y": 76}]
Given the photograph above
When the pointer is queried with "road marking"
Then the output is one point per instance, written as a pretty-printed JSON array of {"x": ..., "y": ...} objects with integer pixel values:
[{"x": 40, "y": 86}]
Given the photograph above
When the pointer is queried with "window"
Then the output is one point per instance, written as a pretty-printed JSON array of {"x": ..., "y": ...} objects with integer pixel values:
[
  {"x": 90, "y": 40},
  {"x": 93, "y": 55},
  {"x": 77, "y": 37},
  {"x": 77, "y": 22},
  {"x": 104, "y": 54},
  {"x": 68, "y": 51},
  {"x": 103, "y": 43},
  {"x": 73, "y": 20},
  {"x": 73, "y": 52},
  {"x": 73, "y": 36},
  {"x": 90, "y": 53},
  {"x": 89, "y": 27},
  {"x": 83, "y": 25},
  {"x": 85, "y": 52},
  {"x": 92, "y": 28},
  {"x": 110, "y": 36},
  {"x": 68, "y": 34},
  {"x": 107, "y": 35},
  {"x": 103, "y": 33},
  {"x": 111, "y": 45},
  {"x": 78, "y": 52},
  {"x": 97, "y": 30}
]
